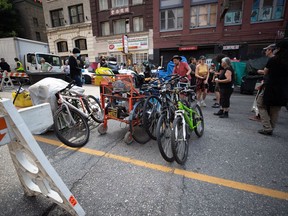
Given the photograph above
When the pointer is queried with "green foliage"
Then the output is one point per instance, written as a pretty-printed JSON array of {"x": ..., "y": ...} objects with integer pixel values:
[{"x": 10, "y": 24}]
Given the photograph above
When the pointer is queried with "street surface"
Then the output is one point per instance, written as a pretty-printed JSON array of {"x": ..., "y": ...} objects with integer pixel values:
[{"x": 231, "y": 170}]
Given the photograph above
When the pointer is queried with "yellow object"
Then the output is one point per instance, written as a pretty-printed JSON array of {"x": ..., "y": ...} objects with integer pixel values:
[
  {"x": 23, "y": 99},
  {"x": 101, "y": 74}
]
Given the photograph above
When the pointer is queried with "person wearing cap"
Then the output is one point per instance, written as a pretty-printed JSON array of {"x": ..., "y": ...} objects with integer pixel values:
[
  {"x": 75, "y": 70},
  {"x": 269, "y": 53},
  {"x": 181, "y": 68},
  {"x": 4, "y": 66},
  {"x": 274, "y": 92},
  {"x": 202, "y": 75}
]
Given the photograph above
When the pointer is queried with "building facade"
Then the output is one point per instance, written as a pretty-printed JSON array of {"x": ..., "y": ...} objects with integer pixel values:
[
  {"x": 237, "y": 28},
  {"x": 32, "y": 19},
  {"x": 128, "y": 22},
  {"x": 68, "y": 25}
]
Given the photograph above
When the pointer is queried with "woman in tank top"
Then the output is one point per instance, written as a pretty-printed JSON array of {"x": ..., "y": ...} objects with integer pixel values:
[{"x": 202, "y": 75}]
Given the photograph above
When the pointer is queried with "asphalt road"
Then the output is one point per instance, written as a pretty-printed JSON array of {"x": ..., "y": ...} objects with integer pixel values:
[{"x": 231, "y": 170}]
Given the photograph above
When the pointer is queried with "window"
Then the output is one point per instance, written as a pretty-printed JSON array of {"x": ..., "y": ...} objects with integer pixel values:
[
  {"x": 171, "y": 19},
  {"x": 119, "y": 3},
  {"x": 137, "y": 24},
  {"x": 103, "y": 5},
  {"x": 139, "y": 57},
  {"x": 57, "y": 18},
  {"x": 135, "y": 2},
  {"x": 35, "y": 22},
  {"x": 203, "y": 15},
  {"x": 81, "y": 44},
  {"x": 62, "y": 46},
  {"x": 105, "y": 28},
  {"x": 170, "y": 3},
  {"x": 119, "y": 26},
  {"x": 266, "y": 10},
  {"x": 76, "y": 14},
  {"x": 234, "y": 13},
  {"x": 38, "y": 36}
]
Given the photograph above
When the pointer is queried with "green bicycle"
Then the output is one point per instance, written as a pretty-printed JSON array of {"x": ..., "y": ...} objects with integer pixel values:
[{"x": 188, "y": 118}]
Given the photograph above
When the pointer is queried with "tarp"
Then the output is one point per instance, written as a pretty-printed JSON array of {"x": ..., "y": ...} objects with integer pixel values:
[
  {"x": 240, "y": 71},
  {"x": 256, "y": 64}
]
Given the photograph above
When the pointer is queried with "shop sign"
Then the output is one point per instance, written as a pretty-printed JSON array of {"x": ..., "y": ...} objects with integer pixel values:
[
  {"x": 118, "y": 11},
  {"x": 134, "y": 44},
  {"x": 125, "y": 44},
  {"x": 231, "y": 47},
  {"x": 188, "y": 48}
]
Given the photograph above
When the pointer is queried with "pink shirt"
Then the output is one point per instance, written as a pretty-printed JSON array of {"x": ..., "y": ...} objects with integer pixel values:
[{"x": 182, "y": 69}]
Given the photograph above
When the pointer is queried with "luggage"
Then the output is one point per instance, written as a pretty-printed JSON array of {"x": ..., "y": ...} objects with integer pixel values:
[{"x": 248, "y": 83}]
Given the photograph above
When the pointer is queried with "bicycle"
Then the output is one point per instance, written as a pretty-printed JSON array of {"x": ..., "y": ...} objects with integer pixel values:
[
  {"x": 71, "y": 122},
  {"x": 188, "y": 118}
]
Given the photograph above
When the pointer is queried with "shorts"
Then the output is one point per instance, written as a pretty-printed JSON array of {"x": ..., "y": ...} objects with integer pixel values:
[
  {"x": 217, "y": 89},
  {"x": 200, "y": 86}
]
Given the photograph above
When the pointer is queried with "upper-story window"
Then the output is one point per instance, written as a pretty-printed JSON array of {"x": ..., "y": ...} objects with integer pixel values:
[
  {"x": 62, "y": 46},
  {"x": 119, "y": 3},
  {"x": 170, "y": 3},
  {"x": 57, "y": 18},
  {"x": 105, "y": 28},
  {"x": 119, "y": 26},
  {"x": 81, "y": 44},
  {"x": 137, "y": 24},
  {"x": 171, "y": 19},
  {"x": 135, "y": 2},
  {"x": 203, "y": 14},
  {"x": 267, "y": 10},
  {"x": 35, "y": 22},
  {"x": 234, "y": 13},
  {"x": 103, "y": 5},
  {"x": 76, "y": 14},
  {"x": 38, "y": 36}
]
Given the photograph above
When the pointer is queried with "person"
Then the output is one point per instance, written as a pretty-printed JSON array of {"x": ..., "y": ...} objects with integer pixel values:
[
  {"x": 192, "y": 64},
  {"x": 4, "y": 66},
  {"x": 45, "y": 66},
  {"x": 217, "y": 59},
  {"x": 181, "y": 68},
  {"x": 66, "y": 68},
  {"x": 226, "y": 85},
  {"x": 211, "y": 84},
  {"x": 102, "y": 62},
  {"x": 202, "y": 75},
  {"x": 269, "y": 53},
  {"x": 274, "y": 92},
  {"x": 75, "y": 70},
  {"x": 19, "y": 66}
]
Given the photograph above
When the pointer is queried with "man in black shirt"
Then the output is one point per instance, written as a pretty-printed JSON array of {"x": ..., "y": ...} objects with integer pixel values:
[
  {"x": 4, "y": 65},
  {"x": 75, "y": 70}
]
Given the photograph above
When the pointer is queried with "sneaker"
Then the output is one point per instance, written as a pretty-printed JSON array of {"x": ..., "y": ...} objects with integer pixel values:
[
  {"x": 265, "y": 132},
  {"x": 203, "y": 103},
  {"x": 216, "y": 105}
]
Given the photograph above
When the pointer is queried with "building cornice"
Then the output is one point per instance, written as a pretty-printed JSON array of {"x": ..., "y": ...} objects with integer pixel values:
[{"x": 69, "y": 27}]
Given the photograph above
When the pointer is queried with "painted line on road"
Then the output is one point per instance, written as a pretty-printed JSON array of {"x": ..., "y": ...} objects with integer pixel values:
[{"x": 188, "y": 174}]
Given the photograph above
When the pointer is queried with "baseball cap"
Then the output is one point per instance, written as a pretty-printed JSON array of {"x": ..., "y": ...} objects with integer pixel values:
[{"x": 271, "y": 46}]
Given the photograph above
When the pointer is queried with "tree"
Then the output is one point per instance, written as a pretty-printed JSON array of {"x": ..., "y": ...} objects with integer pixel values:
[{"x": 10, "y": 24}]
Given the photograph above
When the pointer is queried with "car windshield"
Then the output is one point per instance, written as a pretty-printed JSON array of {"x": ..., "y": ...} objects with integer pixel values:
[{"x": 53, "y": 60}]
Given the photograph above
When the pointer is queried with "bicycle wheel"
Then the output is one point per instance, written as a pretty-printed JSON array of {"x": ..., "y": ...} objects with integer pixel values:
[
  {"x": 73, "y": 130},
  {"x": 163, "y": 130},
  {"x": 179, "y": 145},
  {"x": 136, "y": 124},
  {"x": 152, "y": 112},
  {"x": 198, "y": 120},
  {"x": 93, "y": 106}
]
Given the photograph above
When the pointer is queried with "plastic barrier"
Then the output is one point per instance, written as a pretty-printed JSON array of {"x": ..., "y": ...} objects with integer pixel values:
[{"x": 36, "y": 174}]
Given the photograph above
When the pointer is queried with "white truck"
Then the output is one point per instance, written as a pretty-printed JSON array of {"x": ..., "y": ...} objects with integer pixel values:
[{"x": 30, "y": 52}]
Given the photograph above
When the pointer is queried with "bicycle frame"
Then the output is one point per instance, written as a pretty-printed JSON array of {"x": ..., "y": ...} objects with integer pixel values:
[{"x": 187, "y": 115}]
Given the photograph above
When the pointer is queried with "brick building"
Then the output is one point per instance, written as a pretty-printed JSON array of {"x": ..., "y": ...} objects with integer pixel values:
[
  {"x": 113, "y": 19},
  {"x": 32, "y": 19},
  {"x": 68, "y": 25},
  {"x": 196, "y": 27}
]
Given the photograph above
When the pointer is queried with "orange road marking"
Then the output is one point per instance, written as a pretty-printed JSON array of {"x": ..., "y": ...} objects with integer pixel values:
[{"x": 188, "y": 174}]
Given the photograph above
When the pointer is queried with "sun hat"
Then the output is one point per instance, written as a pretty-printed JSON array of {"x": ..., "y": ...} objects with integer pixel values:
[
  {"x": 176, "y": 57},
  {"x": 271, "y": 46}
]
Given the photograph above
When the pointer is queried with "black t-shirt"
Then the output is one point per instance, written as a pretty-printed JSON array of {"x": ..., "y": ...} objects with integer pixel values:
[
  {"x": 5, "y": 66},
  {"x": 223, "y": 77},
  {"x": 74, "y": 67}
]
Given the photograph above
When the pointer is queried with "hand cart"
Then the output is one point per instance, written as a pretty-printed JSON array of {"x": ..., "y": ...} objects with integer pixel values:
[{"x": 118, "y": 99}]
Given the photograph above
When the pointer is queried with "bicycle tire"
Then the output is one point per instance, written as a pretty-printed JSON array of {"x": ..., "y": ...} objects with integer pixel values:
[
  {"x": 76, "y": 135},
  {"x": 136, "y": 124},
  {"x": 198, "y": 120},
  {"x": 94, "y": 108},
  {"x": 179, "y": 147},
  {"x": 164, "y": 138},
  {"x": 152, "y": 112}
]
